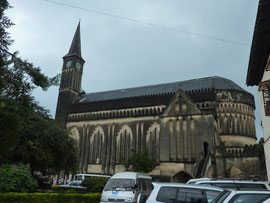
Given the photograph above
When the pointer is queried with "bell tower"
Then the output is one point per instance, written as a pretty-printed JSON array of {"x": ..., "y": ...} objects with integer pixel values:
[{"x": 70, "y": 85}]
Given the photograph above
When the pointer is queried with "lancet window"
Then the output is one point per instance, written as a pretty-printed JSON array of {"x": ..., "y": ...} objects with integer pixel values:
[
  {"x": 152, "y": 141},
  {"x": 96, "y": 145},
  {"x": 124, "y": 143}
]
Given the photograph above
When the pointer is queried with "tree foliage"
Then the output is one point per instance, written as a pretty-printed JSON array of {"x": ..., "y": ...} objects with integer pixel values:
[
  {"x": 260, "y": 148},
  {"x": 16, "y": 179},
  {"x": 94, "y": 184},
  {"x": 139, "y": 162},
  {"x": 27, "y": 132}
]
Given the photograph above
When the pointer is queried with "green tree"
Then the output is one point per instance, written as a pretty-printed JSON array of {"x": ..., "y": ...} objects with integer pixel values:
[
  {"x": 139, "y": 162},
  {"x": 27, "y": 132},
  {"x": 95, "y": 184},
  {"x": 261, "y": 149},
  {"x": 16, "y": 179}
]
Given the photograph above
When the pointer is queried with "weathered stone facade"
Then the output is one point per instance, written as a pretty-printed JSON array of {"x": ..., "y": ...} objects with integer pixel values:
[{"x": 191, "y": 128}]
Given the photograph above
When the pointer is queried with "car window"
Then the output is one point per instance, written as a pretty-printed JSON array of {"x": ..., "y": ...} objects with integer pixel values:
[
  {"x": 195, "y": 196},
  {"x": 222, "y": 196},
  {"x": 210, "y": 184},
  {"x": 252, "y": 185},
  {"x": 181, "y": 196},
  {"x": 210, "y": 195},
  {"x": 249, "y": 198},
  {"x": 167, "y": 194},
  {"x": 227, "y": 185},
  {"x": 119, "y": 184}
]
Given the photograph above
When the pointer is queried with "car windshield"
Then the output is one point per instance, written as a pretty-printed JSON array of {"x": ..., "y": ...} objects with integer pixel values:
[
  {"x": 221, "y": 197},
  {"x": 119, "y": 184}
]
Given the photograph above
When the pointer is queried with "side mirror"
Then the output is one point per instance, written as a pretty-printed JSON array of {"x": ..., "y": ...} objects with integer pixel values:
[{"x": 134, "y": 187}]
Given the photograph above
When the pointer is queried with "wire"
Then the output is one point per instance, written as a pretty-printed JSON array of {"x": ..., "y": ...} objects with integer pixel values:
[{"x": 149, "y": 24}]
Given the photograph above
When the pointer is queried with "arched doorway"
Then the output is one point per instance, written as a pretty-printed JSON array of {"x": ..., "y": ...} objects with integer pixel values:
[
  {"x": 205, "y": 149},
  {"x": 181, "y": 177}
]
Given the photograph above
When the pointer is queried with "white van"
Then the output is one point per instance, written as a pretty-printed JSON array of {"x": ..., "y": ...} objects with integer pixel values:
[
  {"x": 78, "y": 178},
  {"x": 126, "y": 186}
]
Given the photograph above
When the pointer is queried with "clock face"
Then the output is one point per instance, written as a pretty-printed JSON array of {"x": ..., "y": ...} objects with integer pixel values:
[
  {"x": 68, "y": 64},
  {"x": 78, "y": 65}
]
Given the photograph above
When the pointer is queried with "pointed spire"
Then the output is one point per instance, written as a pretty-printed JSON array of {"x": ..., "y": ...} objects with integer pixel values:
[{"x": 75, "y": 48}]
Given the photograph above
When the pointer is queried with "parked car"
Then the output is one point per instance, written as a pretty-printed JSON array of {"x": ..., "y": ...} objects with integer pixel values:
[
  {"x": 231, "y": 183},
  {"x": 177, "y": 192},
  {"x": 72, "y": 185},
  {"x": 245, "y": 196},
  {"x": 81, "y": 176},
  {"x": 126, "y": 186}
]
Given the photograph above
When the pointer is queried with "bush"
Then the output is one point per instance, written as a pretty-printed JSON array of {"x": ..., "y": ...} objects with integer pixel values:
[
  {"x": 95, "y": 184},
  {"x": 49, "y": 197},
  {"x": 66, "y": 190},
  {"x": 16, "y": 179}
]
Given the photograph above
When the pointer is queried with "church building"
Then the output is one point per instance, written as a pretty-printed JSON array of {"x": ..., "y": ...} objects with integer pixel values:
[{"x": 195, "y": 128}]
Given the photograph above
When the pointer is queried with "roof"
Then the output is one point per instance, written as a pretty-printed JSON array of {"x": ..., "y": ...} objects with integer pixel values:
[
  {"x": 260, "y": 44},
  {"x": 75, "y": 48},
  {"x": 183, "y": 185},
  {"x": 130, "y": 175},
  {"x": 201, "y": 84}
]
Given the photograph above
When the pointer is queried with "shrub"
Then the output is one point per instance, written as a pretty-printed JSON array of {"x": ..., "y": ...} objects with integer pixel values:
[
  {"x": 16, "y": 179},
  {"x": 49, "y": 198},
  {"x": 95, "y": 184},
  {"x": 68, "y": 190}
]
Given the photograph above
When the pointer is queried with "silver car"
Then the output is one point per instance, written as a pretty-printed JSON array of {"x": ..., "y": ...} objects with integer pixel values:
[
  {"x": 231, "y": 183},
  {"x": 177, "y": 192},
  {"x": 245, "y": 196}
]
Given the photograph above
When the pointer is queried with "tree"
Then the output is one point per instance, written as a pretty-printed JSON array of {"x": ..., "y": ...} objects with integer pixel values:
[
  {"x": 16, "y": 179},
  {"x": 261, "y": 149},
  {"x": 95, "y": 184},
  {"x": 139, "y": 162},
  {"x": 27, "y": 132}
]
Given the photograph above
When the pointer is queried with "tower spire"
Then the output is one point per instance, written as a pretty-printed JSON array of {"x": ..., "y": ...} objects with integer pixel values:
[{"x": 75, "y": 48}]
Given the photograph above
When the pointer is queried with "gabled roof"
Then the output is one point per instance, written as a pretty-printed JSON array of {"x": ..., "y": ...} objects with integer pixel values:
[
  {"x": 260, "y": 44},
  {"x": 201, "y": 84},
  {"x": 75, "y": 48}
]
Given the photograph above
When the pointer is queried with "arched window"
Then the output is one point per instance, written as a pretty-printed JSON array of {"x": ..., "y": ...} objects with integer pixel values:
[
  {"x": 96, "y": 145},
  {"x": 124, "y": 143},
  {"x": 225, "y": 125},
  {"x": 220, "y": 120},
  {"x": 152, "y": 141}
]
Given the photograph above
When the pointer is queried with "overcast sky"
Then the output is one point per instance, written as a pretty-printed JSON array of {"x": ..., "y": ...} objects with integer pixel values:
[{"x": 120, "y": 53}]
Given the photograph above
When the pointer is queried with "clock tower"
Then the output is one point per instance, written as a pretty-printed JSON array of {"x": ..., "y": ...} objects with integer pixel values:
[{"x": 70, "y": 85}]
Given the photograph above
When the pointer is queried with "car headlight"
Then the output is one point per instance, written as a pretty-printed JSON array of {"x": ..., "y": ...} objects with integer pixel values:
[
  {"x": 129, "y": 199},
  {"x": 104, "y": 199}
]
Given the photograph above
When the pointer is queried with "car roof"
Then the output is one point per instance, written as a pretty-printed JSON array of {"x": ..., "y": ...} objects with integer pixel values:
[
  {"x": 199, "y": 180},
  {"x": 252, "y": 191},
  {"x": 90, "y": 174},
  {"x": 190, "y": 186},
  {"x": 131, "y": 175}
]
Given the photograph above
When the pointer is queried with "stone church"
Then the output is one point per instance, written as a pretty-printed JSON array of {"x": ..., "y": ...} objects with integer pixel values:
[{"x": 195, "y": 128}]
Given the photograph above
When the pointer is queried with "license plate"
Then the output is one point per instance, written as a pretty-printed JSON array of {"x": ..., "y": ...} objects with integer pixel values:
[{"x": 114, "y": 193}]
